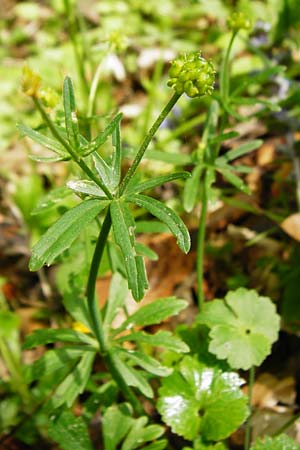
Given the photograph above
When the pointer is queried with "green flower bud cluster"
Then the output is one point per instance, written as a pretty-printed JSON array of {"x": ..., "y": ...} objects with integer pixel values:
[
  {"x": 192, "y": 74},
  {"x": 238, "y": 21}
]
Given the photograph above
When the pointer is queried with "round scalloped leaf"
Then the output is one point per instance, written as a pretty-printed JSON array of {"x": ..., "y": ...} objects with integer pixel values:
[
  {"x": 281, "y": 442},
  {"x": 196, "y": 399},
  {"x": 242, "y": 328}
]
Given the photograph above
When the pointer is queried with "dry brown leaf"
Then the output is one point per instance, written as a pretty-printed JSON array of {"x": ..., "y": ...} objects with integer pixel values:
[{"x": 291, "y": 225}]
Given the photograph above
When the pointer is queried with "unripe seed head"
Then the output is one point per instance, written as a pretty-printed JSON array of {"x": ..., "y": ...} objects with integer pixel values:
[
  {"x": 192, "y": 74},
  {"x": 238, "y": 21}
]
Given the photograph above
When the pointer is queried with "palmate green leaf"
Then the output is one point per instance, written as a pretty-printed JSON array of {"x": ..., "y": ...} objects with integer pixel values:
[
  {"x": 69, "y": 432},
  {"x": 191, "y": 188},
  {"x": 281, "y": 442},
  {"x": 242, "y": 328},
  {"x": 62, "y": 234},
  {"x": 155, "y": 312},
  {"x": 74, "y": 384},
  {"x": 196, "y": 399},
  {"x": 120, "y": 417},
  {"x": 123, "y": 227},
  {"x": 102, "y": 137},
  {"x": 148, "y": 363},
  {"x": 239, "y": 151},
  {"x": 45, "y": 141},
  {"x": 163, "y": 339},
  {"x": 140, "y": 433},
  {"x": 131, "y": 376},
  {"x": 86, "y": 187},
  {"x": 135, "y": 431},
  {"x": 154, "y": 182},
  {"x": 70, "y": 113},
  {"x": 50, "y": 335},
  {"x": 166, "y": 215},
  {"x": 51, "y": 200}
]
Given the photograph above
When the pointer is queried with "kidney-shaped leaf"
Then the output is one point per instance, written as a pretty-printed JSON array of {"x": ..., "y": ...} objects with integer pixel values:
[
  {"x": 63, "y": 233},
  {"x": 242, "y": 328},
  {"x": 196, "y": 399},
  {"x": 69, "y": 432}
]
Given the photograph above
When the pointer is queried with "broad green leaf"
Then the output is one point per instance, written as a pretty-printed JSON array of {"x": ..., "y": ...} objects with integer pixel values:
[
  {"x": 144, "y": 250},
  {"x": 69, "y": 432},
  {"x": 62, "y": 234},
  {"x": 234, "y": 179},
  {"x": 196, "y": 399},
  {"x": 123, "y": 227},
  {"x": 48, "y": 336},
  {"x": 120, "y": 417},
  {"x": 140, "y": 434},
  {"x": 199, "y": 444},
  {"x": 74, "y": 384},
  {"x": 70, "y": 113},
  {"x": 281, "y": 442},
  {"x": 43, "y": 140},
  {"x": 239, "y": 151},
  {"x": 116, "y": 298},
  {"x": 148, "y": 363},
  {"x": 166, "y": 215},
  {"x": 154, "y": 182},
  {"x": 105, "y": 172},
  {"x": 87, "y": 187},
  {"x": 52, "y": 361},
  {"x": 131, "y": 376},
  {"x": 242, "y": 328},
  {"x": 163, "y": 339},
  {"x": 156, "y": 311},
  {"x": 102, "y": 137},
  {"x": 191, "y": 189},
  {"x": 158, "y": 445}
]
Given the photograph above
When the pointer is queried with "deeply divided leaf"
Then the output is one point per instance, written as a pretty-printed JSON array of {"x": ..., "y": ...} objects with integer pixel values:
[
  {"x": 62, "y": 234},
  {"x": 69, "y": 432},
  {"x": 166, "y": 215}
]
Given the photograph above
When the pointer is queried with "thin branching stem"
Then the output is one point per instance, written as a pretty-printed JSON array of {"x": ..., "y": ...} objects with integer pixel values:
[
  {"x": 70, "y": 150},
  {"x": 147, "y": 140},
  {"x": 200, "y": 243}
]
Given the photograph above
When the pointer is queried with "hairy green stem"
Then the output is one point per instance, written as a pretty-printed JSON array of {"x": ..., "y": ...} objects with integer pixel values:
[
  {"x": 200, "y": 243},
  {"x": 77, "y": 53},
  {"x": 96, "y": 317},
  {"x": 248, "y": 423},
  {"x": 224, "y": 76},
  {"x": 147, "y": 141},
  {"x": 70, "y": 150}
]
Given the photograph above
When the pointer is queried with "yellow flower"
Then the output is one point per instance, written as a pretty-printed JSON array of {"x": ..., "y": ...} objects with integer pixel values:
[
  {"x": 78, "y": 326},
  {"x": 30, "y": 82}
]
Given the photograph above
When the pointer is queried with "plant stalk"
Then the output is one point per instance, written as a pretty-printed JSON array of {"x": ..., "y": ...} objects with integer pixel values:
[
  {"x": 146, "y": 142},
  {"x": 70, "y": 150},
  {"x": 224, "y": 77},
  {"x": 248, "y": 423},
  {"x": 200, "y": 243},
  {"x": 96, "y": 317},
  {"x": 287, "y": 424}
]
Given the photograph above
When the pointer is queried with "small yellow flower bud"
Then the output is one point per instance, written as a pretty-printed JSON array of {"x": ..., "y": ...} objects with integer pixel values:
[
  {"x": 30, "y": 82},
  {"x": 49, "y": 97}
]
